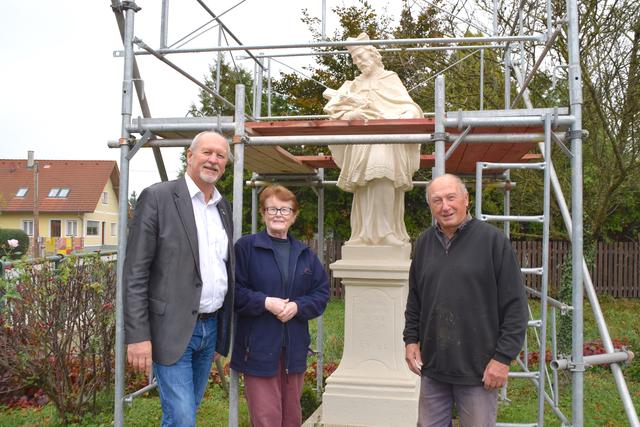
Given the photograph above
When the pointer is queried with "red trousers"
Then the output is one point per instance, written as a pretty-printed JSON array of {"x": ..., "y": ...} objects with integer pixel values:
[{"x": 274, "y": 401}]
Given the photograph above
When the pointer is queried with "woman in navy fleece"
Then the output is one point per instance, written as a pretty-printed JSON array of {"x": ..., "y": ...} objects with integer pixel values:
[{"x": 280, "y": 286}]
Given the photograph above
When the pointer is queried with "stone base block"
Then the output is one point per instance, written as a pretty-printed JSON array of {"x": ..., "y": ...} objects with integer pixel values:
[
  {"x": 388, "y": 404},
  {"x": 372, "y": 385}
]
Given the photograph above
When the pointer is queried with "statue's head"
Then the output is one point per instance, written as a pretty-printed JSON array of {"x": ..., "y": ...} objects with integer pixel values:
[{"x": 365, "y": 57}]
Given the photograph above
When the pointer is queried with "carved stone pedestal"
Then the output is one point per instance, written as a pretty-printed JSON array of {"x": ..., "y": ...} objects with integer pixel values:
[{"x": 372, "y": 386}]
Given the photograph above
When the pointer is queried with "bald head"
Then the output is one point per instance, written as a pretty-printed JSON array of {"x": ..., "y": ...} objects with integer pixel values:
[
  {"x": 448, "y": 200},
  {"x": 447, "y": 178}
]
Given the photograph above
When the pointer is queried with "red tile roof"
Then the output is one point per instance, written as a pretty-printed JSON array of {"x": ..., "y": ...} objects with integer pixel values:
[{"x": 85, "y": 180}]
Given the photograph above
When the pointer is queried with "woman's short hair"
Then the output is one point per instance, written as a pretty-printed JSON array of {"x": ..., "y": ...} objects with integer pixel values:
[{"x": 280, "y": 192}]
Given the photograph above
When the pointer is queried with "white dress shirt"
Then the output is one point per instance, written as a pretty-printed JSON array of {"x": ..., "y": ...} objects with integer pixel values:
[{"x": 212, "y": 247}]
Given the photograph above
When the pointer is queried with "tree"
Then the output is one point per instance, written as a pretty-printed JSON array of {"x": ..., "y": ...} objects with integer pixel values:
[
  {"x": 609, "y": 57},
  {"x": 133, "y": 200},
  {"x": 610, "y": 63}
]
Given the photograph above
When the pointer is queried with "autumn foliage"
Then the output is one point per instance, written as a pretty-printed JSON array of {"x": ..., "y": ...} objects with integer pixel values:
[{"x": 57, "y": 333}]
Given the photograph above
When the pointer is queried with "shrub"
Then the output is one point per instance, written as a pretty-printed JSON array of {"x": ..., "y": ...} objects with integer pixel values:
[
  {"x": 565, "y": 321},
  {"x": 57, "y": 330},
  {"x": 15, "y": 392},
  {"x": 6, "y": 251},
  {"x": 309, "y": 401}
]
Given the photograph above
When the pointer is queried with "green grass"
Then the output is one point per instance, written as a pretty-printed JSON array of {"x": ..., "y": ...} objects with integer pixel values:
[
  {"x": 333, "y": 336},
  {"x": 214, "y": 411},
  {"x": 143, "y": 412},
  {"x": 602, "y": 405}
]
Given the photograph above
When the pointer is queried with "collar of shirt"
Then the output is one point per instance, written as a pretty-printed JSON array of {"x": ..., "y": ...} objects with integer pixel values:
[
  {"x": 194, "y": 191},
  {"x": 446, "y": 242}
]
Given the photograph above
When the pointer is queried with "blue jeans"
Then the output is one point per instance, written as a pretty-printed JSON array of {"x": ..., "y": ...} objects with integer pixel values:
[
  {"x": 182, "y": 385},
  {"x": 476, "y": 406}
]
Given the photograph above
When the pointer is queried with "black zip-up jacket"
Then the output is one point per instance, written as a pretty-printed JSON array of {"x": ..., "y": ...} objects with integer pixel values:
[{"x": 466, "y": 305}]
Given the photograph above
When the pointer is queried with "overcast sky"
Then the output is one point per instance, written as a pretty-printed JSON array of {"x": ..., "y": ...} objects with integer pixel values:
[{"x": 60, "y": 82}]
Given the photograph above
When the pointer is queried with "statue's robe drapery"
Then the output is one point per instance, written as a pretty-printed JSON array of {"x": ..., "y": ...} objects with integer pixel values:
[{"x": 382, "y": 96}]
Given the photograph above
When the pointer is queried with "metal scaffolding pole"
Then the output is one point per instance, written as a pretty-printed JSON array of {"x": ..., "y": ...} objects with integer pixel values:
[
  {"x": 344, "y": 52},
  {"x": 164, "y": 24},
  {"x": 323, "y": 33},
  {"x": 507, "y": 77},
  {"x": 258, "y": 69},
  {"x": 439, "y": 135},
  {"x": 130, "y": 9},
  {"x": 258, "y": 75},
  {"x": 269, "y": 92},
  {"x": 238, "y": 170},
  {"x": 254, "y": 204},
  {"x": 537, "y": 38},
  {"x": 160, "y": 125},
  {"x": 523, "y": 62},
  {"x": 481, "y": 79},
  {"x": 506, "y": 121},
  {"x": 500, "y": 138},
  {"x": 138, "y": 83},
  {"x": 545, "y": 269},
  {"x": 507, "y": 204},
  {"x": 575, "y": 100},
  {"x": 320, "y": 320}
]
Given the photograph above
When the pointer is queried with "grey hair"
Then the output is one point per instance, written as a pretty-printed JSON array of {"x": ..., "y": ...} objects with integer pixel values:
[
  {"x": 196, "y": 139},
  {"x": 461, "y": 187}
]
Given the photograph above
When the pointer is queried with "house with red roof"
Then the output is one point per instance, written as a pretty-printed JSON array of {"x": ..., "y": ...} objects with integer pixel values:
[{"x": 77, "y": 202}]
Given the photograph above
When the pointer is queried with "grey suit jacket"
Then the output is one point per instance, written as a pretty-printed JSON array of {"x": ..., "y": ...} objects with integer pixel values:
[{"x": 162, "y": 282}]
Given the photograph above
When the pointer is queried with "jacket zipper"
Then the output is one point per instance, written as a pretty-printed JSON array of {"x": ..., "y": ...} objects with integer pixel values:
[{"x": 286, "y": 328}]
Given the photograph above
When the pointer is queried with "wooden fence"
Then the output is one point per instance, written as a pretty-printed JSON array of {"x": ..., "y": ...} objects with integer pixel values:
[{"x": 615, "y": 270}]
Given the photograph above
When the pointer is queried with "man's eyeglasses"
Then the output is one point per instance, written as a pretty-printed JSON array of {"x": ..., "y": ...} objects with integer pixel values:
[{"x": 286, "y": 211}]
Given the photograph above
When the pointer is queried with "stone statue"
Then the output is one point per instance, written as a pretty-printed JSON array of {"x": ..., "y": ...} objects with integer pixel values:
[{"x": 377, "y": 174}]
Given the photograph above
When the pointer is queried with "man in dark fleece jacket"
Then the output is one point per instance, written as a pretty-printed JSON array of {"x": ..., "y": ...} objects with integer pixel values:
[{"x": 466, "y": 312}]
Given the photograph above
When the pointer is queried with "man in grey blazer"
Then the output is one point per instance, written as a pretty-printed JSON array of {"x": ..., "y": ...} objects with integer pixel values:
[{"x": 178, "y": 280}]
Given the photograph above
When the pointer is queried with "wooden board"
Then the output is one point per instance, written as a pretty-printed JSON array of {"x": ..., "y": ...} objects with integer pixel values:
[{"x": 271, "y": 159}]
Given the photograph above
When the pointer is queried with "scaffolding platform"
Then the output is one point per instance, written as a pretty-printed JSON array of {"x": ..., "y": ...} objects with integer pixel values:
[{"x": 497, "y": 143}]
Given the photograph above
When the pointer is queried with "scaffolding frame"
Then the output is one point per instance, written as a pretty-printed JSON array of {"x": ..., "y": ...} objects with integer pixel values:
[{"x": 175, "y": 132}]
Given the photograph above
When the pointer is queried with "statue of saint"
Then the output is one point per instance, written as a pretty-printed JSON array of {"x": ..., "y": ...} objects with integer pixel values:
[{"x": 377, "y": 174}]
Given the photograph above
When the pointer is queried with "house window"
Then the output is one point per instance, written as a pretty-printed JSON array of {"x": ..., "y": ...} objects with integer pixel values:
[
  {"x": 93, "y": 228},
  {"x": 72, "y": 227},
  {"x": 27, "y": 226},
  {"x": 22, "y": 191},
  {"x": 114, "y": 229},
  {"x": 105, "y": 198},
  {"x": 56, "y": 228},
  {"x": 59, "y": 193}
]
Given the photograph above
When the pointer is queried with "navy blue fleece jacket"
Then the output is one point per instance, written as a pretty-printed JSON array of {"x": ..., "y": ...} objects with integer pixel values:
[{"x": 260, "y": 337}]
